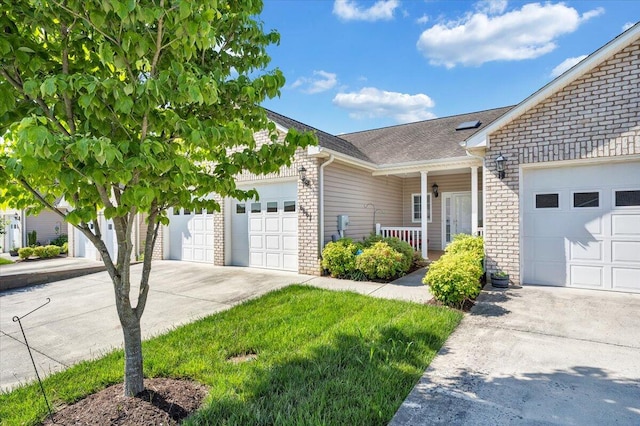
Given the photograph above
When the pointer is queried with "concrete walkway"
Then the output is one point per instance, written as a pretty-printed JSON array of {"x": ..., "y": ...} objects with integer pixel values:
[
  {"x": 535, "y": 356},
  {"x": 81, "y": 322}
]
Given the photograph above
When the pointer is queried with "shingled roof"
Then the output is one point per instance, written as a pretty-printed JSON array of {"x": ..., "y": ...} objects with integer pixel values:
[
  {"x": 325, "y": 139},
  {"x": 421, "y": 141}
]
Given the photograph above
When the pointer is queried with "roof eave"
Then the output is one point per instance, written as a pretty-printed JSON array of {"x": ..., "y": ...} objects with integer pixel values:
[
  {"x": 323, "y": 152},
  {"x": 429, "y": 165}
]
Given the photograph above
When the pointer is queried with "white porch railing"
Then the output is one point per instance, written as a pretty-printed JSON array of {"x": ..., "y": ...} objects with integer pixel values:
[{"x": 409, "y": 234}]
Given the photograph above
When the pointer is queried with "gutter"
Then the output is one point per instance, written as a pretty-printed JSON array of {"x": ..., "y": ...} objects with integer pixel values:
[{"x": 321, "y": 181}]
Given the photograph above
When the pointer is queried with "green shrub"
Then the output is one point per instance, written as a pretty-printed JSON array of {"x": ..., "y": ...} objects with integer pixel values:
[
  {"x": 32, "y": 238},
  {"x": 371, "y": 240},
  {"x": 454, "y": 278},
  {"x": 339, "y": 258},
  {"x": 51, "y": 251},
  {"x": 380, "y": 261},
  {"x": 465, "y": 243},
  {"x": 25, "y": 252},
  {"x": 64, "y": 248},
  {"x": 60, "y": 240},
  {"x": 404, "y": 249},
  {"x": 39, "y": 251}
]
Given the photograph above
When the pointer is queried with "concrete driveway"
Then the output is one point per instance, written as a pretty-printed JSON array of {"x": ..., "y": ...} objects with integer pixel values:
[
  {"x": 81, "y": 321},
  {"x": 536, "y": 356}
]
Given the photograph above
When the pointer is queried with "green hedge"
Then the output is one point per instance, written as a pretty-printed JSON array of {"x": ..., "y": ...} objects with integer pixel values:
[
  {"x": 374, "y": 258},
  {"x": 455, "y": 277}
]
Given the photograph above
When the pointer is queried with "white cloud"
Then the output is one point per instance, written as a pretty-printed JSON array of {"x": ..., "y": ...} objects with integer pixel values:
[
  {"x": 423, "y": 19},
  {"x": 349, "y": 10},
  {"x": 519, "y": 34},
  {"x": 628, "y": 25},
  {"x": 320, "y": 82},
  {"x": 491, "y": 7},
  {"x": 370, "y": 102},
  {"x": 565, "y": 65}
]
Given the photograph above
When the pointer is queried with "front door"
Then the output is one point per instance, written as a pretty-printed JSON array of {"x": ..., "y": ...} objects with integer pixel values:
[{"x": 456, "y": 211}]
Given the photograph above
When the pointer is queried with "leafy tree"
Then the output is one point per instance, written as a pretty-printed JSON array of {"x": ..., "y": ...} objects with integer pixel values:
[{"x": 129, "y": 107}]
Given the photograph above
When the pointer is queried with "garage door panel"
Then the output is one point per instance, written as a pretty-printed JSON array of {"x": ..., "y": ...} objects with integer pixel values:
[
  {"x": 289, "y": 261},
  {"x": 273, "y": 261},
  {"x": 255, "y": 224},
  {"x": 546, "y": 249},
  {"x": 586, "y": 251},
  {"x": 256, "y": 259},
  {"x": 272, "y": 224},
  {"x": 290, "y": 224},
  {"x": 626, "y": 279},
  {"x": 548, "y": 273},
  {"x": 273, "y": 242},
  {"x": 290, "y": 242},
  {"x": 626, "y": 251},
  {"x": 256, "y": 242},
  {"x": 625, "y": 224},
  {"x": 191, "y": 236},
  {"x": 586, "y": 276},
  {"x": 594, "y": 226}
]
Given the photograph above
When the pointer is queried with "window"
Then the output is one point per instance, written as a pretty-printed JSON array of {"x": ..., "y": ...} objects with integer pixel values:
[
  {"x": 256, "y": 207},
  {"x": 289, "y": 206},
  {"x": 416, "y": 208},
  {"x": 547, "y": 201},
  {"x": 272, "y": 207},
  {"x": 198, "y": 211},
  {"x": 586, "y": 199},
  {"x": 176, "y": 212},
  {"x": 241, "y": 208},
  {"x": 187, "y": 211},
  {"x": 627, "y": 198}
]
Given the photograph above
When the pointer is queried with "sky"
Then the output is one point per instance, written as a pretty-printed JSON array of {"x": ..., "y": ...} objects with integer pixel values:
[{"x": 355, "y": 65}]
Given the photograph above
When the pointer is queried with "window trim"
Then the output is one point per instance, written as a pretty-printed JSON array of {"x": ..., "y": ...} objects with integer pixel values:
[
  {"x": 573, "y": 192},
  {"x": 613, "y": 198},
  {"x": 429, "y": 208},
  {"x": 535, "y": 204}
]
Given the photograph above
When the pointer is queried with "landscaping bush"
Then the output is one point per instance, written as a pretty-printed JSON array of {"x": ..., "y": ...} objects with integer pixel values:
[
  {"x": 380, "y": 261},
  {"x": 454, "y": 278},
  {"x": 60, "y": 240},
  {"x": 51, "y": 251},
  {"x": 39, "y": 251},
  {"x": 25, "y": 253},
  {"x": 65, "y": 248},
  {"x": 32, "y": 238},
  {"x": 465, "y": 243},
  {"x": 404, "y": 249},
  {"x": 339, "y": 258}
]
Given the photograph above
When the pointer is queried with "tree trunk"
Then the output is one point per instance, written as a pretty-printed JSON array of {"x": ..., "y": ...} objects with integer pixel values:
[{"x": 133, "y": 376}]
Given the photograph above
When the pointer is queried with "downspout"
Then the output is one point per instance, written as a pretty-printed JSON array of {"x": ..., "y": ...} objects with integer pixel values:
[{"x": 321, "y": 209}]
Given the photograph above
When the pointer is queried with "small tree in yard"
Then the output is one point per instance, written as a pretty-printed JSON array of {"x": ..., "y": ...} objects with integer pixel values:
[{"x": 133, "y": 107}]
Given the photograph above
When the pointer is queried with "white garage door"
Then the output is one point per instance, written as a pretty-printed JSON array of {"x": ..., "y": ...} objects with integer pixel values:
[
  {"x": 191, "y": 236},
  {"x": 265, "y": 231},
  {"x": 581, "y": 226}
]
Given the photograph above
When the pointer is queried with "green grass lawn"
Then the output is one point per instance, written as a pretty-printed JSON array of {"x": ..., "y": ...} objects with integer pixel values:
[
  {"x": 324, "y": 357},
  {"x": 4, "y": 261}
]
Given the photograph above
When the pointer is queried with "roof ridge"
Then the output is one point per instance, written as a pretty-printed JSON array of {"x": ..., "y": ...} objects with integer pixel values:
[{"x": 430, "y": 119}]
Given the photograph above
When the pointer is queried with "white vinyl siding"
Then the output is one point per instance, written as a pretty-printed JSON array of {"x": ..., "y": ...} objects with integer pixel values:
[
  {"x": 458, "y": 182},
  {"x": 45, "y": 225},
  {"x": 348, "y": 189},
  {"x": 416, "y": 208}
]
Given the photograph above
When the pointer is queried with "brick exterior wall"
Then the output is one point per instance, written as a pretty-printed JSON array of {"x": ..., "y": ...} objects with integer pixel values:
[
  {"x": 218, "y": 233},
  {"x": 596, "y": 116}
]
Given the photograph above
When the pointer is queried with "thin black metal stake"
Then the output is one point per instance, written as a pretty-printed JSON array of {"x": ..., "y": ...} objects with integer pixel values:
[{"x": 17, "y": 319}]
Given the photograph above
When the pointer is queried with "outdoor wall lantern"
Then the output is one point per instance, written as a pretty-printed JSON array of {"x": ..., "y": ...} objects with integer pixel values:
[
  {"x": 303, "y": 176},
  {"x": 16, "y": 217},
  {"x": 434, "y": 188},
  {"x": 500, "y": 166}
]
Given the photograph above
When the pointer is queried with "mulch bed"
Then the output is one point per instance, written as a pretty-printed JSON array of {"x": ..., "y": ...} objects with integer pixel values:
[{"x": 163, "y": 402}]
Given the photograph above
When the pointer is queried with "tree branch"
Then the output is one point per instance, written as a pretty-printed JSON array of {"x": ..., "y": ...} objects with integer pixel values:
[{"x": 65, "y": 70}]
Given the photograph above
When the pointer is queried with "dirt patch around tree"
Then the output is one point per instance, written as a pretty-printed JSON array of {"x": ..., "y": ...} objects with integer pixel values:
[{"x": 163, "y": 402}]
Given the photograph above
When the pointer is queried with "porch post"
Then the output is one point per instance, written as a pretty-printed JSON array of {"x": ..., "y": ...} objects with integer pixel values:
[
  {"x": 423, "y": 213},
  {"x": 474, "y": 200}
]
